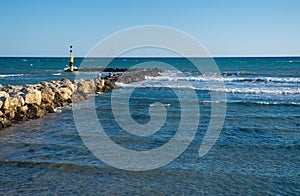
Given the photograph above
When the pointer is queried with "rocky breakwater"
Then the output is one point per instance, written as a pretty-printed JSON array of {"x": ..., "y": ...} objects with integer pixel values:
[{"x": 21, "y": 103}]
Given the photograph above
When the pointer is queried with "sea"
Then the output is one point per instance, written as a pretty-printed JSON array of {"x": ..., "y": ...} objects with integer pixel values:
[{"x": 257, "y": 151}]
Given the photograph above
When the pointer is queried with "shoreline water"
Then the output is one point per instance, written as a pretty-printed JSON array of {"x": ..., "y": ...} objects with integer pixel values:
[{"x": 31, "y": 101}]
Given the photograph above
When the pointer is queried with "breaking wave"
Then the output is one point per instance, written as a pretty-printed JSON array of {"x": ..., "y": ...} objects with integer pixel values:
[
  {"x": 10, "y": 75},
  {"x": 230, "y": 79}
]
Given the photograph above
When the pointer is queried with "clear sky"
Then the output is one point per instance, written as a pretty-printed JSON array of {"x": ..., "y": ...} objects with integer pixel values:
[{"x": 224, "y": 27}]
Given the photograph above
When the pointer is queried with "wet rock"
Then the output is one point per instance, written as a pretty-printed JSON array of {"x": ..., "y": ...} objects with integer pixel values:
[
  {"x": 59, "y": 101},
  {"x": 21, "y": 114},
  {"x": 76, "y": 97},
  {"x": 49, "y": 107},
  {"x": 106, "y": 89},
  {"x": 4, "y": 122},
  {"x": 10, "y": 114},
  {"x": 109, "y": 83},
  {"x": 35, "y": 111},
  {"x": 99, "y": 84}
]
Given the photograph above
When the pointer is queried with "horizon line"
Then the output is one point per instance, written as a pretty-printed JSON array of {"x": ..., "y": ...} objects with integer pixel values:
[{"x": 225, "y": 56}]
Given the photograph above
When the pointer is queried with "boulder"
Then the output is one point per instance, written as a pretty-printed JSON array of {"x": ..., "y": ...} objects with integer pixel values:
[
  {"x": 5, "y": 99},
  {"x": 21, "y": 114},
  {"x": 106, "y": 89},
  {"x": 21, "y": 99},
  {"x": 49, "y": 107},
  {"x": 33, "y": 96},
  {"x": 3, "y": 94},
  {"x": 10, "y": 114},
  {"x": 13, "y": 89},
  {"x": 110, "y": 84},
  {"x": 16, "y": 101},
  {"x": 35, "y": 111},
  {"x": 47, "y": 95},
  {"x": 86, "y": 87},
  {"x": 67, "y": 83},
  {"x": 4, "y": 122},
  {"x": 76, "y": 97},
  {"x": 65, "y": 94},
  {"x": 23, "y": 109},
  {"x": 6, "y": 103},
  {"x": 99, "y": 85}
]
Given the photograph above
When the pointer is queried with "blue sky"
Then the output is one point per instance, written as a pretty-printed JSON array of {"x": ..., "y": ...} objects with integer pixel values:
[{"x": 224, "y": 27}]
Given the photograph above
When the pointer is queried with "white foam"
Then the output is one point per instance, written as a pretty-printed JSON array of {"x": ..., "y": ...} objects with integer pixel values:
[
  {"x": 267, "y": 102},
  {"x": 227, "y": 79},
  {"x": 261, "y": 91},
  {"x": 61, "y": 109},
  {"x": 10, "y": 75},
  {"x": 56, "y": 74},
  {"x": 233, "y": 85},
  {"x": 166, "y": 105},
  {"x": 294, "y": 61},
  {"x": 252, "y": 102}
]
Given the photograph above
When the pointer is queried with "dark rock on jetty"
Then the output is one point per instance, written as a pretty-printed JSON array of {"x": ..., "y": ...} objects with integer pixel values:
[
  {"x": 107, "y": 69},
  {"x": 21, "y": 103}
]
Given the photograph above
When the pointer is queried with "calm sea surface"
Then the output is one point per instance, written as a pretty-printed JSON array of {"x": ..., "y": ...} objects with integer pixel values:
[{"x": 257, "y": 152}]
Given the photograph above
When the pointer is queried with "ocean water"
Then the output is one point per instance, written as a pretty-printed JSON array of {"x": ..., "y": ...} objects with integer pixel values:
[{"x": 257, "y": 151}]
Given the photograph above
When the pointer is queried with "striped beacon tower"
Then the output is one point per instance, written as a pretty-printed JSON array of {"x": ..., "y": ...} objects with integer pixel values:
[{"x": 71, "y": 61}]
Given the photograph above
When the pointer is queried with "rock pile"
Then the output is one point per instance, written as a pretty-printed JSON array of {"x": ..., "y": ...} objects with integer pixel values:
[
  {"x": 20, "y": 103},
  {"x": 136, "y": 75}
]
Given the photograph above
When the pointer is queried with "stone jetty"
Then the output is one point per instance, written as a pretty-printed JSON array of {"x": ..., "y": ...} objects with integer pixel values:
[
  {"x": 31, "y": 101},
  {"x": 107, "y": 69}
]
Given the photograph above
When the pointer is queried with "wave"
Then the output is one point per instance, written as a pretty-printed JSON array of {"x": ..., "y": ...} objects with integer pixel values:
[
  {"x": 255, "y": 91},
  {"x": 228, "y": 79},
  {"x": 274, "y": 103},
  {"x": 260, "y": 91},
  {"x": 277, "y": 91},
  {"x": 157, "y": 85},
  {"x": 62, "y": 109},
  {"x": 240, "y": 73},
  {"x": 266, "y": 80},
  {"x": 10, "y": 75},
  {"x": 293, "y": 61},
  {"x": 166, "y": 105},
  {"x": 56, "y": 74},
  {"x": 253, "y": 102}
]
